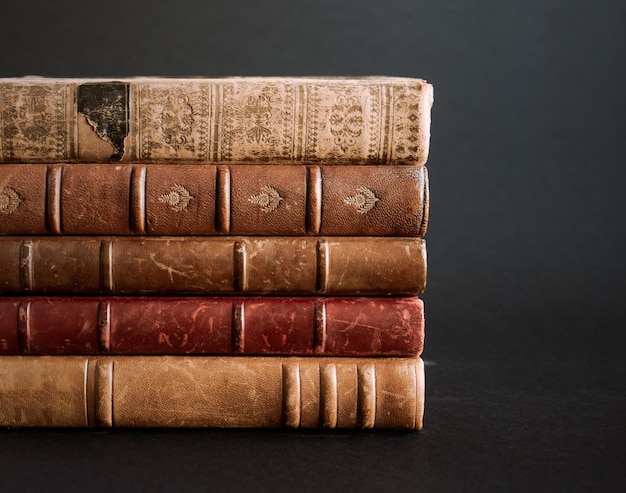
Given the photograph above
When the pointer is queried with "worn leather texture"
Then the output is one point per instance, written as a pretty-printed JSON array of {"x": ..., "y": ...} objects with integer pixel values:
[
  {"x": 162, "y": 391},
  {"x": 212, "y": 265},
  {"x": 158, "y": 199},
  {"x": 367, "y": 120},
  {"x": 212, "y": 325}
]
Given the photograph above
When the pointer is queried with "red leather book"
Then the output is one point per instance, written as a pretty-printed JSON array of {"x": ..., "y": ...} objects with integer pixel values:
[
  {"x": 155, "y": 199},
  {"x": 212, "y": 325}
]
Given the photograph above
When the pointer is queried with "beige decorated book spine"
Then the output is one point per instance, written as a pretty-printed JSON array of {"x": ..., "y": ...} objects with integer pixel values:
[
  {"x": 229, "y": 392},
  {"x": 367, "y": 120}
]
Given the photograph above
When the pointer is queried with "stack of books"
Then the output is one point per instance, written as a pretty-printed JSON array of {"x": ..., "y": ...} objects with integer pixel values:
[{"x": 240, "y": 252}]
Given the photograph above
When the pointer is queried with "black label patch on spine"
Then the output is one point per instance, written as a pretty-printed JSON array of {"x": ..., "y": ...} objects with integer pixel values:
[{"x": 106, "y": 106}]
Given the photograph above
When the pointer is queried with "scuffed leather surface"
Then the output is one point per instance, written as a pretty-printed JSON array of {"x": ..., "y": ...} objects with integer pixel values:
[
  {"x": 43, "y": 391},
  {"x": 29, "y": 183},
  {"x": 95, "y": 199},
  {"x": 206, "y": 265},
  {"x": 211, "y": 392},
  {"x": 398, "y": 211},
  {"x": 206, "y": 325}
]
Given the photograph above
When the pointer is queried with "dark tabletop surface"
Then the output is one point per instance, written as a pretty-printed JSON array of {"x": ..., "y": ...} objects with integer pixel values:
[{"x": 526, "y": 329}]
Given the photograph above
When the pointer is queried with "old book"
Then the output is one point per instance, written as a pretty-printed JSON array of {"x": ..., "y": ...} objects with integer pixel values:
[
  {"x": 162, "y": 391},
  {"x": 327, "y": 265},
  {"x": 374, "y": 120},
  {"x": 212, "y": 325},
  {"x": 158, "y": 199}
]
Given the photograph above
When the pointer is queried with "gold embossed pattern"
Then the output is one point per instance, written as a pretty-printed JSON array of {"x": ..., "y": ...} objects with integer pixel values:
[
  {"x": 363, "y": 201},
  {"x": 268, "y": 200},
  {"x": 178, "y": 198},
  {"x": 10, "y": 200}
]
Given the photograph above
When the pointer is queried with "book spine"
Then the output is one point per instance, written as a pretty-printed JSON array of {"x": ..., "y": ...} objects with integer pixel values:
[
  {"x": 79, "y": 199},
  {"x": 212, "y": 265},
  {"x": 363, "y": 121},
  {"x": 212, "y": 325},
  {"x": 162, "y": 391}
]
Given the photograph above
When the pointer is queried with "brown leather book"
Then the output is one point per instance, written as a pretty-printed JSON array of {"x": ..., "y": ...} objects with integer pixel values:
[
  {"x": 162, "y": 391},
  {"x": 279, "y": 265},
  {"x": 212, "y": 325},
  {"x": 80, "y": 199},
  {"x": 372, "y": 120}
]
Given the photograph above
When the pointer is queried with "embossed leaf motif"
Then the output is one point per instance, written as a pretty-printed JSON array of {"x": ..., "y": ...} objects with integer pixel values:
[
  {"x": 364, "y": 200},
  {"x": 269, "y": 199},
  {"x": 178, "y": 198},
  {"x": 9, "y": 200}
]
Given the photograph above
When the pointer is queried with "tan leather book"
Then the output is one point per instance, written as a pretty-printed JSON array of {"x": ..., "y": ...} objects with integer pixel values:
[
  {"x": 156, "y": 199},
  {"x": 166, "y": 391},
  {"x": 259, "y": 265},
  {"x": 362, "y": 120}
]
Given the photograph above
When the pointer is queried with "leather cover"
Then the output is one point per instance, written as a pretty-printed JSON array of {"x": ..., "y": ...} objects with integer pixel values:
[
  {"x": 167, "y": 391},
  {"x": 212, "y": 265},
  {"x": 367, "y": 120},
  {"x": 212, "y": 325},
  {"x": 82, "y": 199}
]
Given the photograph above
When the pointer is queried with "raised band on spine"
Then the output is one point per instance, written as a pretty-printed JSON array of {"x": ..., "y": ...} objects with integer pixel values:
[
  {"x": 222, "y": 200},
  {"x": 240, "y": 265},
  {"x": 328, "y": 396},
  {"x": 104, "y": 327},
  {"x": 313, "y": 199},
  {"x": 138, "y": 200},
  {"x": 366, "y": 408},
  {"x": 292, "y": 395},
  {"x": 239, "y": 328},
  {"x": 23, "y": 327},
  {"x": 103, "y": 394},
  {"x": 26, "y": 265},
  {"x": 107, "y": 284},
  {"x": 319, "y": 334},
  {"x": 322, "y": 258},
  {"x": 53, "y": 199}
]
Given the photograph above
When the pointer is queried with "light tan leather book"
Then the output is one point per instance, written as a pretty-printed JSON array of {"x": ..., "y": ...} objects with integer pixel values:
[
  {"x": 162, "y": 391},
  {"x": 362, "y": 120}
]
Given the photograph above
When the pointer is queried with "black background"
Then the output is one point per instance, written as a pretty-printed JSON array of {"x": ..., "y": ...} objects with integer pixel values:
[{"x": 525, "y": 326}]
